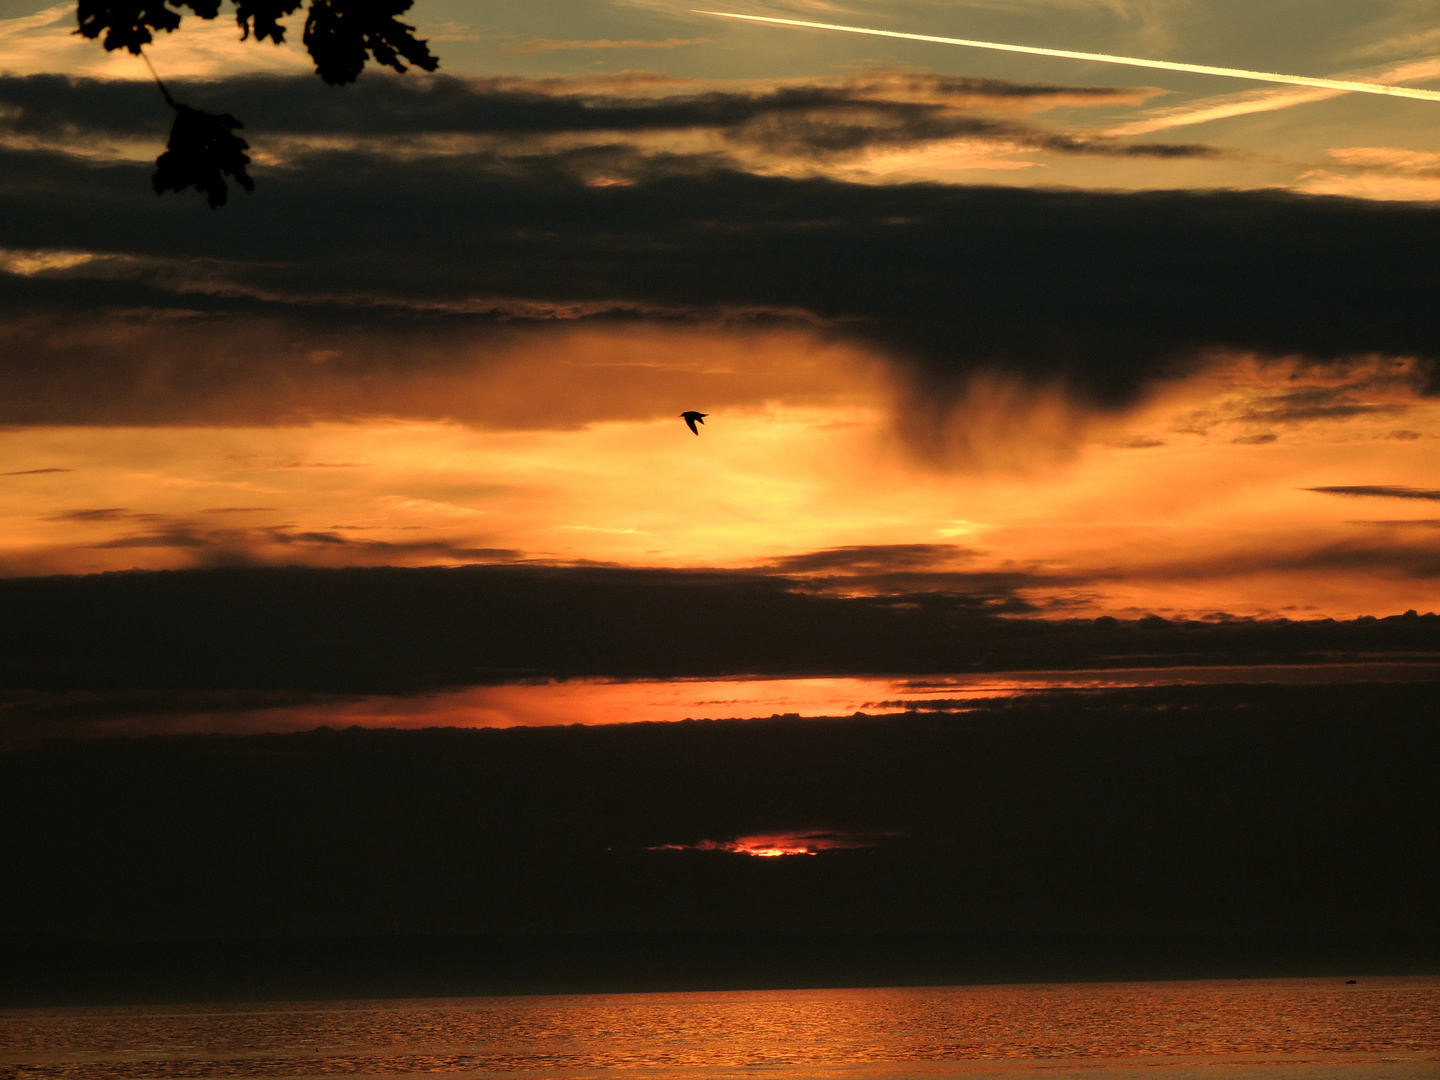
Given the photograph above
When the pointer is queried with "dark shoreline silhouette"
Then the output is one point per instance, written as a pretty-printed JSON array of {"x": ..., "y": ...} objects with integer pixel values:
[
  {"x": 1164, "y": 832},
  {"x": 388, "y": 630}
]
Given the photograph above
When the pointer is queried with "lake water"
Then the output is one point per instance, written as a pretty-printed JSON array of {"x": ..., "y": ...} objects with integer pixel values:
[{"x": 1305, "y": 1029}]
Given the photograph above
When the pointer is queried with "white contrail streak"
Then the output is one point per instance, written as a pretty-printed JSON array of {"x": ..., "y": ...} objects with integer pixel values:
[{"x": 1131, "y": 61}]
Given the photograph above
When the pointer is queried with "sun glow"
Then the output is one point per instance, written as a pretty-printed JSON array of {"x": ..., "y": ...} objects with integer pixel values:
[
  {"x": 1210, "y": 497},
  {"x": 779, "y": 845}
]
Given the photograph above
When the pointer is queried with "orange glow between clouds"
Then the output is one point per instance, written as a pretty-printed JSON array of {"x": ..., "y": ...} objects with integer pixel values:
[
  {"x": 600, "y": 702},
  {"x": 589, "y": 701},
  {"x": 1194, "y": 503}
]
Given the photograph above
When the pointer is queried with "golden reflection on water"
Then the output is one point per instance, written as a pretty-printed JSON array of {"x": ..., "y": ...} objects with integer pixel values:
[{"x": 1287, "y": 1028}]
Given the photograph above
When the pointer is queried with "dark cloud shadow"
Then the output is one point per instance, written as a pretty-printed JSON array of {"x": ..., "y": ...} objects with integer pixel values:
[
  {"x": 830, "y": 116},
  {"x": 1385, "y": 491},
  {"x": 870, "y": 558},
  {"x": 1101, "y": 294},
  {"x": 388, "y": 630},
  {"x": 1317, "y": 403},
  {"x": 113, "y": 513}
]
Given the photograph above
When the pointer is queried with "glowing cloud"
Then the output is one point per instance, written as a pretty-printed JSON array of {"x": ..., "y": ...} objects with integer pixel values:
[
  {"x": 773, "y": 845},
  {"x": 1105, "y": 58}
]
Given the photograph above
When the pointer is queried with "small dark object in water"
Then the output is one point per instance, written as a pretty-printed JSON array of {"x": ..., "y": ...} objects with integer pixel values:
[{"x": 1349, "y": 982}]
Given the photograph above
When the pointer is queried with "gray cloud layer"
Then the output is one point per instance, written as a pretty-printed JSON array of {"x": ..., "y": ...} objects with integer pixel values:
[
  {"x": 891, "y": 107},
  {"x": 1104, "y": 293}
]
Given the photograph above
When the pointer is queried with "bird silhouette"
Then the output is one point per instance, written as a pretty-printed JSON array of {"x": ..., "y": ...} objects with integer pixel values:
[{"x": 692, "y": 418}]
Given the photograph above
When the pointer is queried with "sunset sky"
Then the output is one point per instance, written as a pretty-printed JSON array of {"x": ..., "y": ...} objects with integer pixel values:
[
  {"x": 1059, "y": 555},
  {"x": 980, "y": 312}
]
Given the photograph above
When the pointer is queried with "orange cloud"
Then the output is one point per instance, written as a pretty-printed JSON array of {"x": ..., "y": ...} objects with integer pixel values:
[{"x": 1203, "y": 500}]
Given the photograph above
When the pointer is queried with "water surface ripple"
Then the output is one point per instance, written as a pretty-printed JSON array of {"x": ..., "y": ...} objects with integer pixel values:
[{"x": 1377, "y": 1029}]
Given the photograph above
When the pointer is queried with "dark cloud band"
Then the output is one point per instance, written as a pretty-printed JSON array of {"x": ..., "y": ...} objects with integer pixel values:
[
  {"x": 388, "y": 630},
  {"x": 381, "y": 105},
  {"x": 1384, "y": 491},
  {"x": 1103, "y": 293}
]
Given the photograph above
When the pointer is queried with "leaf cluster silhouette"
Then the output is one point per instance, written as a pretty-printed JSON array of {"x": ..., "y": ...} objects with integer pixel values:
[
  {"x": 202, "y": 150},
  {"x": 340, "y": 35}
]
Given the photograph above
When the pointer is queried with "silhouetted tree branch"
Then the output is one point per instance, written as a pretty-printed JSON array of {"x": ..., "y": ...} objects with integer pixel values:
[
  {"x": 341, "y": 35},
  {"x": 201, "y": 151}
]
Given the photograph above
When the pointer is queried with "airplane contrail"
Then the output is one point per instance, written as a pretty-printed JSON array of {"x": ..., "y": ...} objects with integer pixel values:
[{"x": 1104, "y": 58}]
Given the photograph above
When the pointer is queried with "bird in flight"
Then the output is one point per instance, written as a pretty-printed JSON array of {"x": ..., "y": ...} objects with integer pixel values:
[{"x": 692, "y": 418}]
